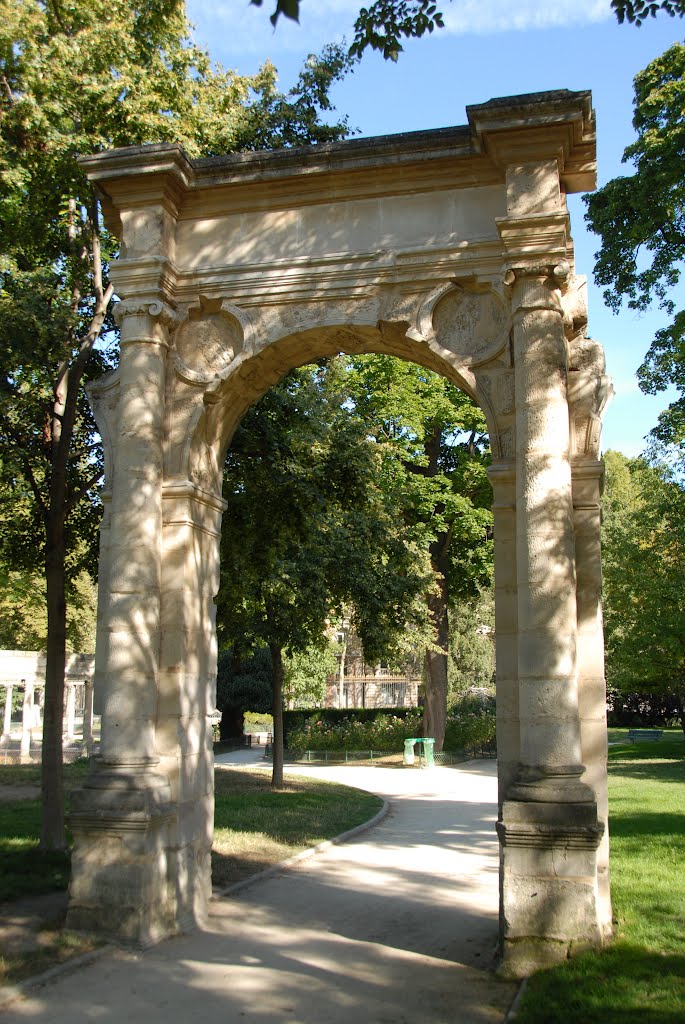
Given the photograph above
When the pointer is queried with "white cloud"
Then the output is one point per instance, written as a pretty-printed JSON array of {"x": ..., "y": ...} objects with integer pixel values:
[
  {"x": 238, "y": 27},
  {"x": 490, "y": 16}
]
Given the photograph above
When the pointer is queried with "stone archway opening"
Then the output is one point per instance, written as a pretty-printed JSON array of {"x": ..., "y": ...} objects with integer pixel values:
[{"x": 451, "y": 248}]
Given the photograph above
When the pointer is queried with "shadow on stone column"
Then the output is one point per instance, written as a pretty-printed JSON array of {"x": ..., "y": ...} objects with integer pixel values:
[
  {"x": 120, "y": 882},
  {"x": 549, "y": 834}
]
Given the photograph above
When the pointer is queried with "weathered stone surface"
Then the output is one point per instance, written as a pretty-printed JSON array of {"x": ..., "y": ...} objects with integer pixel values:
[{"x": 449, "y": 248}]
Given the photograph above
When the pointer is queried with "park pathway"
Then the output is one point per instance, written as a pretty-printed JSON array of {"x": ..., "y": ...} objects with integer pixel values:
[{"x": 397, "y": 925}]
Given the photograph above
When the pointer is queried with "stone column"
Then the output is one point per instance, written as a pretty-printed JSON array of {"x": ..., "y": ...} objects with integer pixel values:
[
  {"x": 502, "y": 476},
  {"x": 27, "y": 718},
  {"x": 71, "y": 711},
  {"x": 7, "y": 719},
  {"x": 88, "y": 716},
  {"x": 588, "y": 476},
  {"x": 187, "y": 688},
  {"x": 120, "y": 879},
  {"x": 548, "y": 829}
]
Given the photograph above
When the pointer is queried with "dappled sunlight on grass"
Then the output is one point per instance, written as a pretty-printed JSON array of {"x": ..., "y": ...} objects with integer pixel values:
[{"x": 640, "y": 978}]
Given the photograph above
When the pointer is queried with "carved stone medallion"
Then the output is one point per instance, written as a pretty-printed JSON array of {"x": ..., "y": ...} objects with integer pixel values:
[
  {"x": 207, "y": 343},
  {"x": 472, "y": 325}
]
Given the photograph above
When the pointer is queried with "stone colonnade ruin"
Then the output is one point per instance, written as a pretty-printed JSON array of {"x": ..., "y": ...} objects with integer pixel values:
[{"x": 450, "y": 248}]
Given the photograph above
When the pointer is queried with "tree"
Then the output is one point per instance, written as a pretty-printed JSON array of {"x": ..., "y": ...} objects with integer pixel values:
[
  {"x": 432, "y": 439},
  {"x": 305, "y": 675},
  {"x": 76, "y": 78},
  {"x": 472, "y": 645},
  {"x": 643, "y": 536},
  {"x": 641, "y": 222},
  {"x": 307, "y": 530},
  {"x": 382, "y": 25}
]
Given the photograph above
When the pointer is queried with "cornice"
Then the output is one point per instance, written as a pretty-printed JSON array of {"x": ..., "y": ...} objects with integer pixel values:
[{"x": 538, "y": 126}]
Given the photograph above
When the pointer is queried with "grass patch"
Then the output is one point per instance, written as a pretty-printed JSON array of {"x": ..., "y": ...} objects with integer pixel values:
[
  {"x": 29, "y": 774},
  {"x": 53, "y": 947},
  {"x": 640, "y": 978},
  {"x": 24, "y": 869},
  {"x": 255, "y": 827}
]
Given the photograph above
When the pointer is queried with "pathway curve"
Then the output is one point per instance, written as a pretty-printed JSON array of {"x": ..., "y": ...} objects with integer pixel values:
[{"x": 392, "y": 927}]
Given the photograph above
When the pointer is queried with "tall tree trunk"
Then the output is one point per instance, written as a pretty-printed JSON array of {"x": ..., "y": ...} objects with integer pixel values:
[
  {"x": 52, "y": 788},
  {"x": 277, "y": 688},
  {"x": 435, "y": 661}
]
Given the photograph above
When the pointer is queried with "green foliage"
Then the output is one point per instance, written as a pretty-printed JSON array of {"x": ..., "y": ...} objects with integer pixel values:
[
  {"x": 77, "y": 78},
  {"x": 471, "y": 724},
  {"x": 470, "y": 727},
  {"x": 637, "y": 11},
  {"x": 305, "y": 673},
  {"x": 643, "y": 537},
  {"x": 382, "y": 25},
  {"x": 254, "y": 721},
  {"x": 472, "y": 644},
  {"x": 385, "y": 22},
  {"x": 383, "y": 732},
  {"x": 244, "y": 684},
  {"x": 335, "y": 716},
  {"x": 641, "y": 222},
  {"x": 308, "y": 529}
]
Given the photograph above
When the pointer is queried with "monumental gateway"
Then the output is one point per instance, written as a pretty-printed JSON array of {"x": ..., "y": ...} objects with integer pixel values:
[{"x": 450, "y": 248}]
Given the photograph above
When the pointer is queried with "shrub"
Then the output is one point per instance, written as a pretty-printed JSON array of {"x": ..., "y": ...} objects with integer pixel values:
[
  {"x": 383, "y": 731},
  {"x": 471, "y": 724}
]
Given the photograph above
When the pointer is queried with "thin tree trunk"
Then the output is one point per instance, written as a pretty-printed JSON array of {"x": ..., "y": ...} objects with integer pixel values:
[
  {"x": 277, "y": 688},
  {"x": 52, "y": 835}
]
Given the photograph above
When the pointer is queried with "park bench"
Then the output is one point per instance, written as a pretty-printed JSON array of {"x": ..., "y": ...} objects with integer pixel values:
[{"x": 640, "y": 735}]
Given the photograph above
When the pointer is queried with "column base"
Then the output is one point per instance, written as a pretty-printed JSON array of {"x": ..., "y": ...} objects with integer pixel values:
[
  {"x": 550, "y": 906},
  {"x": 120, "y": 885}
]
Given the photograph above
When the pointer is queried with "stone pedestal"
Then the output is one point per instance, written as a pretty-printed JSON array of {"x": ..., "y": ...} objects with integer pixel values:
[
  {"x": 120, "y": 881},
  {"x": 549, "y": 881}
]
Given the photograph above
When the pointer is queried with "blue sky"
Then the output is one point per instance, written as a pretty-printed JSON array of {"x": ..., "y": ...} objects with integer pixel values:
[{"x": 488, "y": 48}]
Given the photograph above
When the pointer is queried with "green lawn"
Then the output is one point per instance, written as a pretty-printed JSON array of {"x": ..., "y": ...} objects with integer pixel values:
[
  {"x": 24, "y": 870},
  {"x": 640, "y": 978},
  {"x": 254, "y": 827}
]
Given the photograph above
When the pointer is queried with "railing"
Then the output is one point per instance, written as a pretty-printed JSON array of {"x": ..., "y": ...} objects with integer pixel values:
[{"x": 381, "y": 758}]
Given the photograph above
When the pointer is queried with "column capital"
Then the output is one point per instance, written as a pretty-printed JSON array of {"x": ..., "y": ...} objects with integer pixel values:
[
  {"x": 155, "y": 311},
  {"x": 537, "y": 286}
]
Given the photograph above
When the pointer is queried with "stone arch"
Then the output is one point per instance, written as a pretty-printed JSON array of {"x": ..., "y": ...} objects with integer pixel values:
[{"x": 447, "y": 248}]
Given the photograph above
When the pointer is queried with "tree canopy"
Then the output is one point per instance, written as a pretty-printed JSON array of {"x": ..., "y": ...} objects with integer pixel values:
[
  {"x": 308, "y": 528},
  {"x": 385, "y": 23},
  {"x": 77, "y": 78},
  {"x": 643, "y": 536},
  {"x": 640, "y": 219}
]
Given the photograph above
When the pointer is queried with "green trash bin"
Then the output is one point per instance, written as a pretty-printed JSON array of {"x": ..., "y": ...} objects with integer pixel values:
[
  {"x": 428, "y": 752},
  {"x": 408, "y": 756}
]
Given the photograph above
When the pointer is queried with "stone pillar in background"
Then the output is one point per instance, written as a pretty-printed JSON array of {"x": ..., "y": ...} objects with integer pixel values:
[
  {"x": 7, "y": 718},
  {"x": 119, "y": 819},
  {"x": 88, "y": 716},
  {"x": 71, "y": 712},
  {"x": 27, "y": 718},
  {"x": 549, "y": 827}
]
